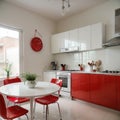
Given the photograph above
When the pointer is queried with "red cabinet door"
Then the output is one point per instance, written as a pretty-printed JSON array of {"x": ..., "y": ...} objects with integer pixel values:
[
  {"x": 80, "y": 86},
  {"x": 103, "y": 90},
  {"x": 118, "y": 92},
  {"x": 75, "y": 86},
  {"x": 96, "y": 88}
]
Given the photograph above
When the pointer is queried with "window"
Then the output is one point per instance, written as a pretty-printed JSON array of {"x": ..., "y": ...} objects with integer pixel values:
[{"x": 9, "y": 51}]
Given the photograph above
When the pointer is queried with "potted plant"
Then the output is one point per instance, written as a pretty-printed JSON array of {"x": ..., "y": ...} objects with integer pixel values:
[
  {"x": 8, "y": 69},
  {"x": 29, "y": 79}
]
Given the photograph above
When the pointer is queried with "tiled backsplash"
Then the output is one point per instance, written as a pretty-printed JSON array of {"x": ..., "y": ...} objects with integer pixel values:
[{"x": 110, "y": 58}]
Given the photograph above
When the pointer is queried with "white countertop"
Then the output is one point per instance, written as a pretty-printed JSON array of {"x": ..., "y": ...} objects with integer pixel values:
[{"x": 85, "y": 72}]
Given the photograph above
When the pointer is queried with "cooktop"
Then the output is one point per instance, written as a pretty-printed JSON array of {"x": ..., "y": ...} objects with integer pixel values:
[{"x": 110, "y": 71}]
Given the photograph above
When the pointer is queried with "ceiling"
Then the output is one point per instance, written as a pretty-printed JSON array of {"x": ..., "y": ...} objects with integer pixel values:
[{"x": 52, "y": 8}]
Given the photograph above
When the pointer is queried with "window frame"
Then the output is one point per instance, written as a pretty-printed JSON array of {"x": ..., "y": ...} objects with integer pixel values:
[{"x": 21, "y": 46}]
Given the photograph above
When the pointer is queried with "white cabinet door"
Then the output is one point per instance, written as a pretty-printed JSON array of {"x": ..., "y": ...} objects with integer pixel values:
[
  {"x": 55, "y": 46},
  {"x": 73, "y": 38},
  {"x": 48, "y": 75},
  {"x": 97, "y": 37},
  {"x": 84, "y": 38},
  {"x": 64, "y": 40},
  {"x": 59, "y": 42}
]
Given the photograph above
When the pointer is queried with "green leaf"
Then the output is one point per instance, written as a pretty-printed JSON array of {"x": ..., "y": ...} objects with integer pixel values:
[{"x": 29, "y": 76}]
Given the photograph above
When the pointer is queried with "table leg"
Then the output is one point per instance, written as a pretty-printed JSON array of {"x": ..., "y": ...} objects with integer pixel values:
[{"x": 31, "y": 108}]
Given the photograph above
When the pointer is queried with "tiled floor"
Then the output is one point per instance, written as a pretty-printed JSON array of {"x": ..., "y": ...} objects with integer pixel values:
[{"x": 76, "y": 110}]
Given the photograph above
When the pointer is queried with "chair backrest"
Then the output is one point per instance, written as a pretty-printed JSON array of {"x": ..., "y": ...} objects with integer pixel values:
[
  {"x": 53, "y": 80},
  {"x": 57, "y": 82},
  {"x": 11, "y": 80},
  {"x": 3, "y": 111}
]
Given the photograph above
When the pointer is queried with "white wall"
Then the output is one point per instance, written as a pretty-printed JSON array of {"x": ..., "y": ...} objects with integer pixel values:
[
  {"x": 103, "y": 13},
  {"x": 27, "y": 21}
]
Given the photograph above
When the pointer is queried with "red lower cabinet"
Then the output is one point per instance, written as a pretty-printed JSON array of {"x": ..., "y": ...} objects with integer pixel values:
[
  {"x": 97, "y": 88},
  {"x": 103, "y": 90},
  {"x": 80, "y": 88},
  {"x": 118, "y": 92}
]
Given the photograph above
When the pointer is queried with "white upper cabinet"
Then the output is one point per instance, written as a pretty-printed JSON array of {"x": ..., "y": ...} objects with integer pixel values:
[
  {"x": 73, "y": 38},
  {"x": 84, "y": 37},
  {"x": 91, "y": 37},
  {"x": 97, "y": 36},
  {"x": 55, "y": 42},
  {"x": 59, "y": 42}
]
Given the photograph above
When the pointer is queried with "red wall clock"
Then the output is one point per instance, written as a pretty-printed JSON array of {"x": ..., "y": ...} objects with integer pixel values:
[{"x": 36, "y": 44}]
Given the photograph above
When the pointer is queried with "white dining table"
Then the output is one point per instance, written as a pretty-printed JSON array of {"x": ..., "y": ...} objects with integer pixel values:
[{"x": 21, "y": 90}]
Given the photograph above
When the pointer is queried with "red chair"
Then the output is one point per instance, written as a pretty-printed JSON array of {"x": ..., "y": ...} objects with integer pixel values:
[
  {"x": 15, "y": 100},
  {"x": 12, "y": 112},
  {"x": 50, "y": 99}
]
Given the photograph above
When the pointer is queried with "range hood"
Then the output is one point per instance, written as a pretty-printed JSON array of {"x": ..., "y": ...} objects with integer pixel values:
[{"x": 115, "y": 41}]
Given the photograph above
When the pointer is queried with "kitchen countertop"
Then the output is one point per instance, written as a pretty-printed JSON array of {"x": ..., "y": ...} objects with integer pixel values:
[{"x": 85, "y": 72}]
